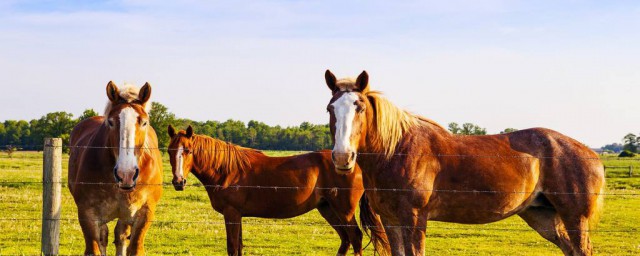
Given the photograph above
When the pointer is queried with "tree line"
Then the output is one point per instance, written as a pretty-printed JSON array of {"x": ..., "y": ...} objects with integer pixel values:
[{"x": 29, "y": 135}]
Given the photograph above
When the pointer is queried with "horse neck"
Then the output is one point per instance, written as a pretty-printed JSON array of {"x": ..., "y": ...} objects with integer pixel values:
[
  {"x": 372, "y": 140},
  {"x": 213, "y": 158}
]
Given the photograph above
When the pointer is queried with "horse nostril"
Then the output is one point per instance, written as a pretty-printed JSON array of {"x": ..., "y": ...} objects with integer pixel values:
[
  {"x": 353, "y": 156},
  {"x": 115, "y": 175},
  {"x": 135, "y": 176},
  {"x": 184, "y": 182}
]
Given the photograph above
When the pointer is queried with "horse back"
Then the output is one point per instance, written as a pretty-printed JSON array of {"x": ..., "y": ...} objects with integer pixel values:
[{"x": 563, "y": 159}]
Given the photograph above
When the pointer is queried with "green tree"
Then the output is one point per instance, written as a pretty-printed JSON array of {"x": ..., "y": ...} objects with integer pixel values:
[
  {"x": 87, "y": 113},
  {"x": 3, "y": 133},
  {"x": 467, "y": 129},
  {"x": 52, "y": 125},
  {"x": 472, "y": 129},
  {"x": 454, "y": 128},
  {"x": 613, "y": 147},
  {"x": 630, "y": 142},
  {"x": 17, "y": 132},
  {"x": 160, "y": 119},
  {"x": 508, "y": 130}
]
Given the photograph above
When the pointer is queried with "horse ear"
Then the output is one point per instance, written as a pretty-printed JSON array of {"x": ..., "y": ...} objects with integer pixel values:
[
  {"x": 362, "y": 82},
  {"x": 172, "y": 131},
  {"x": 189, "y": 131},
  {"x": 112, "y": 92},
  {"x": 145, "y": 93},
  {"x": 331, "y": 80}
]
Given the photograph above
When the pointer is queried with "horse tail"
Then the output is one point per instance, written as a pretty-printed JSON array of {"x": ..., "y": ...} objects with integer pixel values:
[{"x": 372, "y": 226}]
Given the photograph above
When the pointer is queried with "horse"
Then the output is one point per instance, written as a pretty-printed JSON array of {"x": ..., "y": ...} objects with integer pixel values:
[
  {"x": 415, "y": 170},
  {"x": 115, "y": 171},
  {"x": 244, "y": 182}
]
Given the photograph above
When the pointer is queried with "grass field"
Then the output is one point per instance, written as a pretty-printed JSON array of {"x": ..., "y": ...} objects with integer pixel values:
[{"x": 305, "y": 235}]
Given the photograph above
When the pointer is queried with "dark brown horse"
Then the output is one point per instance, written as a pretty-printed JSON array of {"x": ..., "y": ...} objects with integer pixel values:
[
  {"x": 241, "y": 182},
  {"x": 109, "y": 155},
  {"x": 551, "y": 181}
]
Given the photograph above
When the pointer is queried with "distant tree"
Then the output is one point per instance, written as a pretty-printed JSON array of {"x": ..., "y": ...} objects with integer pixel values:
[
  {"x": 472, "y": 129},
  {"x": 508, "y": 130},
  {"x": 17, "y": 132},
  {"x": 3, "y": 133},
  {"x": 466, "y": 129},
  {"x": 87, "y": 113},
  {"x": 10, "y": 149},
  {"x": 160, "y": 119},
  {"x": 52, "y": 125},
  {"x": 613, "y": 147},
  {"x": 454, "y": 128},
  {"x": 630, "y": 142}
]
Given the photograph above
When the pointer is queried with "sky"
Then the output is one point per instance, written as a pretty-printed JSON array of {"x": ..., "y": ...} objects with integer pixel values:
[{"x": 572, "y": 66}]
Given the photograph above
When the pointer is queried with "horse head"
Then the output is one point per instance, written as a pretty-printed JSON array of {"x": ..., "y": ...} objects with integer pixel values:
[{"x": 127, "y": 119}]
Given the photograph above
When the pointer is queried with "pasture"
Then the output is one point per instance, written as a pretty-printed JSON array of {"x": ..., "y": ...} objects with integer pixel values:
[{"x": 185, "y": 223}]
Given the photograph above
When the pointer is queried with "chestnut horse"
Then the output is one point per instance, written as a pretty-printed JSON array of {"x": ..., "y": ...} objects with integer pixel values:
[
  {"x": 243, "y": 182},
  {"x": 109, "y": 155},
  {"x": 422, "y": 172}
]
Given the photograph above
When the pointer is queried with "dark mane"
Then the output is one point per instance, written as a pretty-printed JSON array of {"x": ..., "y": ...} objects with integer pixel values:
[{"x": 220, "y": 156}]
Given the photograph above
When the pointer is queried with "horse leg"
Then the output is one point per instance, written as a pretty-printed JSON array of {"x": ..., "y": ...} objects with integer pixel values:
[
  {"x": 351, "y": 227},
  {"x": 233, "y": 225},
  {"x": 575, "y": 211},
  {"x": 333, "y": 220},
  {"x": 578, "y": 228},
  {"x": 414, "y": 232},
  {"x": 141, "y": 223},
  {"x": 104, "y": 238},
  {"x": 394, "y": 234},
  {"x": 548, "y": 224},
  {"x": 122, "y": 232},
  {"x": 91, "y": 229}
]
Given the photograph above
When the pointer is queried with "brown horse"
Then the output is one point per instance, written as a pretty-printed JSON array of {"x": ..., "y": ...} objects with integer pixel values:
[
  {"x": 109, "y": 155},
  {"x": 422, "y": 172},
  {"x": 243, "y": 182}
]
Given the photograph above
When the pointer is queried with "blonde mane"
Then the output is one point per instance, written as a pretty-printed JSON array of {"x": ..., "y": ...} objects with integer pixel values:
[
  {"x": 346, "y": 84},
  {"x": 391, "y": 123},
  {"x": 129, "y": 93},
  {"x": 220, "y": 155}
]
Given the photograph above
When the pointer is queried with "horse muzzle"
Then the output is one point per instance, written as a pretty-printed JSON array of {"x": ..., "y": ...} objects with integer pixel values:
[
  {"x": 126, "y": 181},
  {"x": 179, "y": 183},
  {"x": 344, "y": 162}
]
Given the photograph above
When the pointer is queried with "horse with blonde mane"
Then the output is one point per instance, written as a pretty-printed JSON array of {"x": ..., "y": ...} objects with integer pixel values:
[
  {"x": 415, "y": 171},
  {"x": 115, "y": 171},
  {"x": 244, "y": 182}
]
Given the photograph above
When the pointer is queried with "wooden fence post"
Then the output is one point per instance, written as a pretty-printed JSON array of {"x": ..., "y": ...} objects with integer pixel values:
[
  {"x": 51, "y": 195},
  {"x": 630, "y": 171}
]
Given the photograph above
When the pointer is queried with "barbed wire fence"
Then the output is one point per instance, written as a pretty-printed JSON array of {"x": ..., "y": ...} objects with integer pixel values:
[{"x": 52, "y": 183}]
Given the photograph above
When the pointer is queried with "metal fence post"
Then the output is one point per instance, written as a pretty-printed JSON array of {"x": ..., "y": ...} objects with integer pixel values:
[{"x": 51, "y": 195}]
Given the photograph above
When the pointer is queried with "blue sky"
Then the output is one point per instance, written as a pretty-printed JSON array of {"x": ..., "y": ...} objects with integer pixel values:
[{"x": 572, "y": 66}]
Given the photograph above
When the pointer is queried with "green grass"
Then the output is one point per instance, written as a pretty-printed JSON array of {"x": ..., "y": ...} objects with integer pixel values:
[{"x": 188, "y": 225}]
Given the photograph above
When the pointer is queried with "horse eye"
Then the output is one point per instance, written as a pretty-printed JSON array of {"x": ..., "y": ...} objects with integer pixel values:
[
  {"x": 145, "y": 123},
  {"x": 359, "y": 106},
  {"x": 110, "y": 123}
]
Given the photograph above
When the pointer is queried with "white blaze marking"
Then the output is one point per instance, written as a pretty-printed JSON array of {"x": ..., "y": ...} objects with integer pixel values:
[
  {"x": 127, "y": 161},
  {"x": 345, "y": 111},
  {"x": 180, "y": 162}
]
